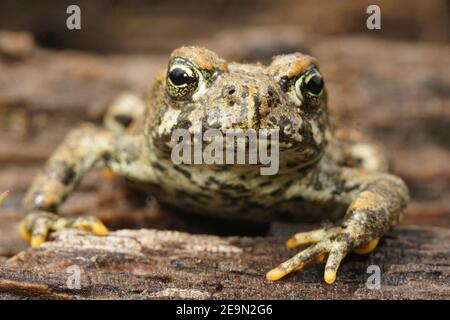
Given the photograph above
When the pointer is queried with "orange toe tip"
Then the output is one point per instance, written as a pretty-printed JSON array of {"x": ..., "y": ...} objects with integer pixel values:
[
  {"x": 291, "y": 243},
  {"x": 330, "y": 276},
  {"x": 275, "y": 274},
  {"x": 24, "y": 233},
  {"x": 99, "y": 229},
  {"x": 37, "y": 241}
]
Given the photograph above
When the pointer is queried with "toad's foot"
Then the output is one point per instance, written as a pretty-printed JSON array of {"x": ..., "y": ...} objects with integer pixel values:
[
  {"x": 337, "y": 242},
  {"x": 36, "y": 227}
]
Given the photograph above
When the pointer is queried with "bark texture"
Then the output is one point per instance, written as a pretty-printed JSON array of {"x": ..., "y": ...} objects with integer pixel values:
[{"x": 144, "y": 264}]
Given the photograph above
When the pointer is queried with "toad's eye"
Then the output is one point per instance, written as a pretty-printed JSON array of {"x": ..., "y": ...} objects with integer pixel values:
[
  {"x": 181, "y": 76},
  {"x": 182, "y": 81},
  {"x": 309, "y": 85},
  {"x": 314, "y": 84}
]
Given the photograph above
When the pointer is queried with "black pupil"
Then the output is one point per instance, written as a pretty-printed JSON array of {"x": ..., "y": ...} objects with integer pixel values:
[
  {"x": 180, "y": 77},
  {"x": 315, "y": 84}
]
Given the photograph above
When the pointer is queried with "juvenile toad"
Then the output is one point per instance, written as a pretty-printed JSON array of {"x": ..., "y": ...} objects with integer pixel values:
[{"x": 319, "y": 176}]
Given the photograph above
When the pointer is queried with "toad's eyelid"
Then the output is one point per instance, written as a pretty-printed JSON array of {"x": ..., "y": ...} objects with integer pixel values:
[
  {"x": 312, "y": 74},
  {"x": 181, "y": 66},
  {"x": 181, "y": 61},
  {"x": 186, "y": 64},
  {"x": 309, "y": 72}
]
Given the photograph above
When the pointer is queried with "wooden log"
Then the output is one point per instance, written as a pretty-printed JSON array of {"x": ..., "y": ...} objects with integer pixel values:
[{"x": 151, "y": 264}]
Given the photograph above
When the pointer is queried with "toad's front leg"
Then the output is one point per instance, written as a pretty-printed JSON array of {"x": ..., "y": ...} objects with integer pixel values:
[
  {"x": 82, "y": 148},
  {"x": 376, "y": 204}
]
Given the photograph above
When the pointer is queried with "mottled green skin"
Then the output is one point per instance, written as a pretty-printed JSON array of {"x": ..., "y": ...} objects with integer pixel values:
[{"x": 319, "y": 177}]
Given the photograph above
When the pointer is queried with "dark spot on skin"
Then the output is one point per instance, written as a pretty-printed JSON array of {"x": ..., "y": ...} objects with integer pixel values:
[
  {"x": 183, "y": 121},
  {"x": 288, "y": 184},
  {"x": 338, "y": 187},
  {"x": 252, "y": 204},
  {"x": 298, "y": 199},
  {"x": 183, "y": 124},
  {"x": 225, "y": 186},
  {"x": 258, "y": 114},
  {"x": 123, "y": 119},
  {"x": 321, "y": 120},
  {"x": 228, "y": 94},
  {"x": 265, "y": 183},
  {"x": 349, "y": 189},
  {"x": 291, "y": 165},
  {"x": 273, "y": 120},
  {"x": 212, "y": 76},
  {"x": 106, "y": 157},
  {"x": 220, "y": 168},
  {"x": 284, "y": 123},
  {"x": 305, "y": 131},
  {"x": 158, "y": 167},
  {"x": 184, "y": 172},
  {"x": 197, "y": 198},
  {"x": 344, "y": 237},
  {"x": 277, "y": 192},
  {"x": 273, "y": 100},
  {"x": 235, "y": 187},
  {"x": 284, "y": 84},
  {"x": 69, "y": 175},
  {"x": 257, "y": 101},
  {"x": 231, "y": 90}
]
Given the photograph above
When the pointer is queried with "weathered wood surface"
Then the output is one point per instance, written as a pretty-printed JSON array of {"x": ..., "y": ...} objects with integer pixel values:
[
  {"x": 393, "y": 92},
  {"x": 142, "y": 264}
]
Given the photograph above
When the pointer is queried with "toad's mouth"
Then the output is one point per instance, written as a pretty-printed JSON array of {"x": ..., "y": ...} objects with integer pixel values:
[
  {"x": 233, "y": 147},
  {"x": 239, "y": 147}
]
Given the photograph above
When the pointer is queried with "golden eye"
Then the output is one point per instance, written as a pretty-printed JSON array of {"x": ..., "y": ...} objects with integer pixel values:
[{"x": 182, "y": 80}]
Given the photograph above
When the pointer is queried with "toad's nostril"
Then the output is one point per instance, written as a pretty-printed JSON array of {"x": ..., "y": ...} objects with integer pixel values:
[{"x": 230, "y": 90}]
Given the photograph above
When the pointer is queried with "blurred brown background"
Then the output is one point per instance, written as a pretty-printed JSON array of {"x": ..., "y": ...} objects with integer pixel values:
[
  {"x": 138, "y": 26},
  {"x": 392, "y": 85}
]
